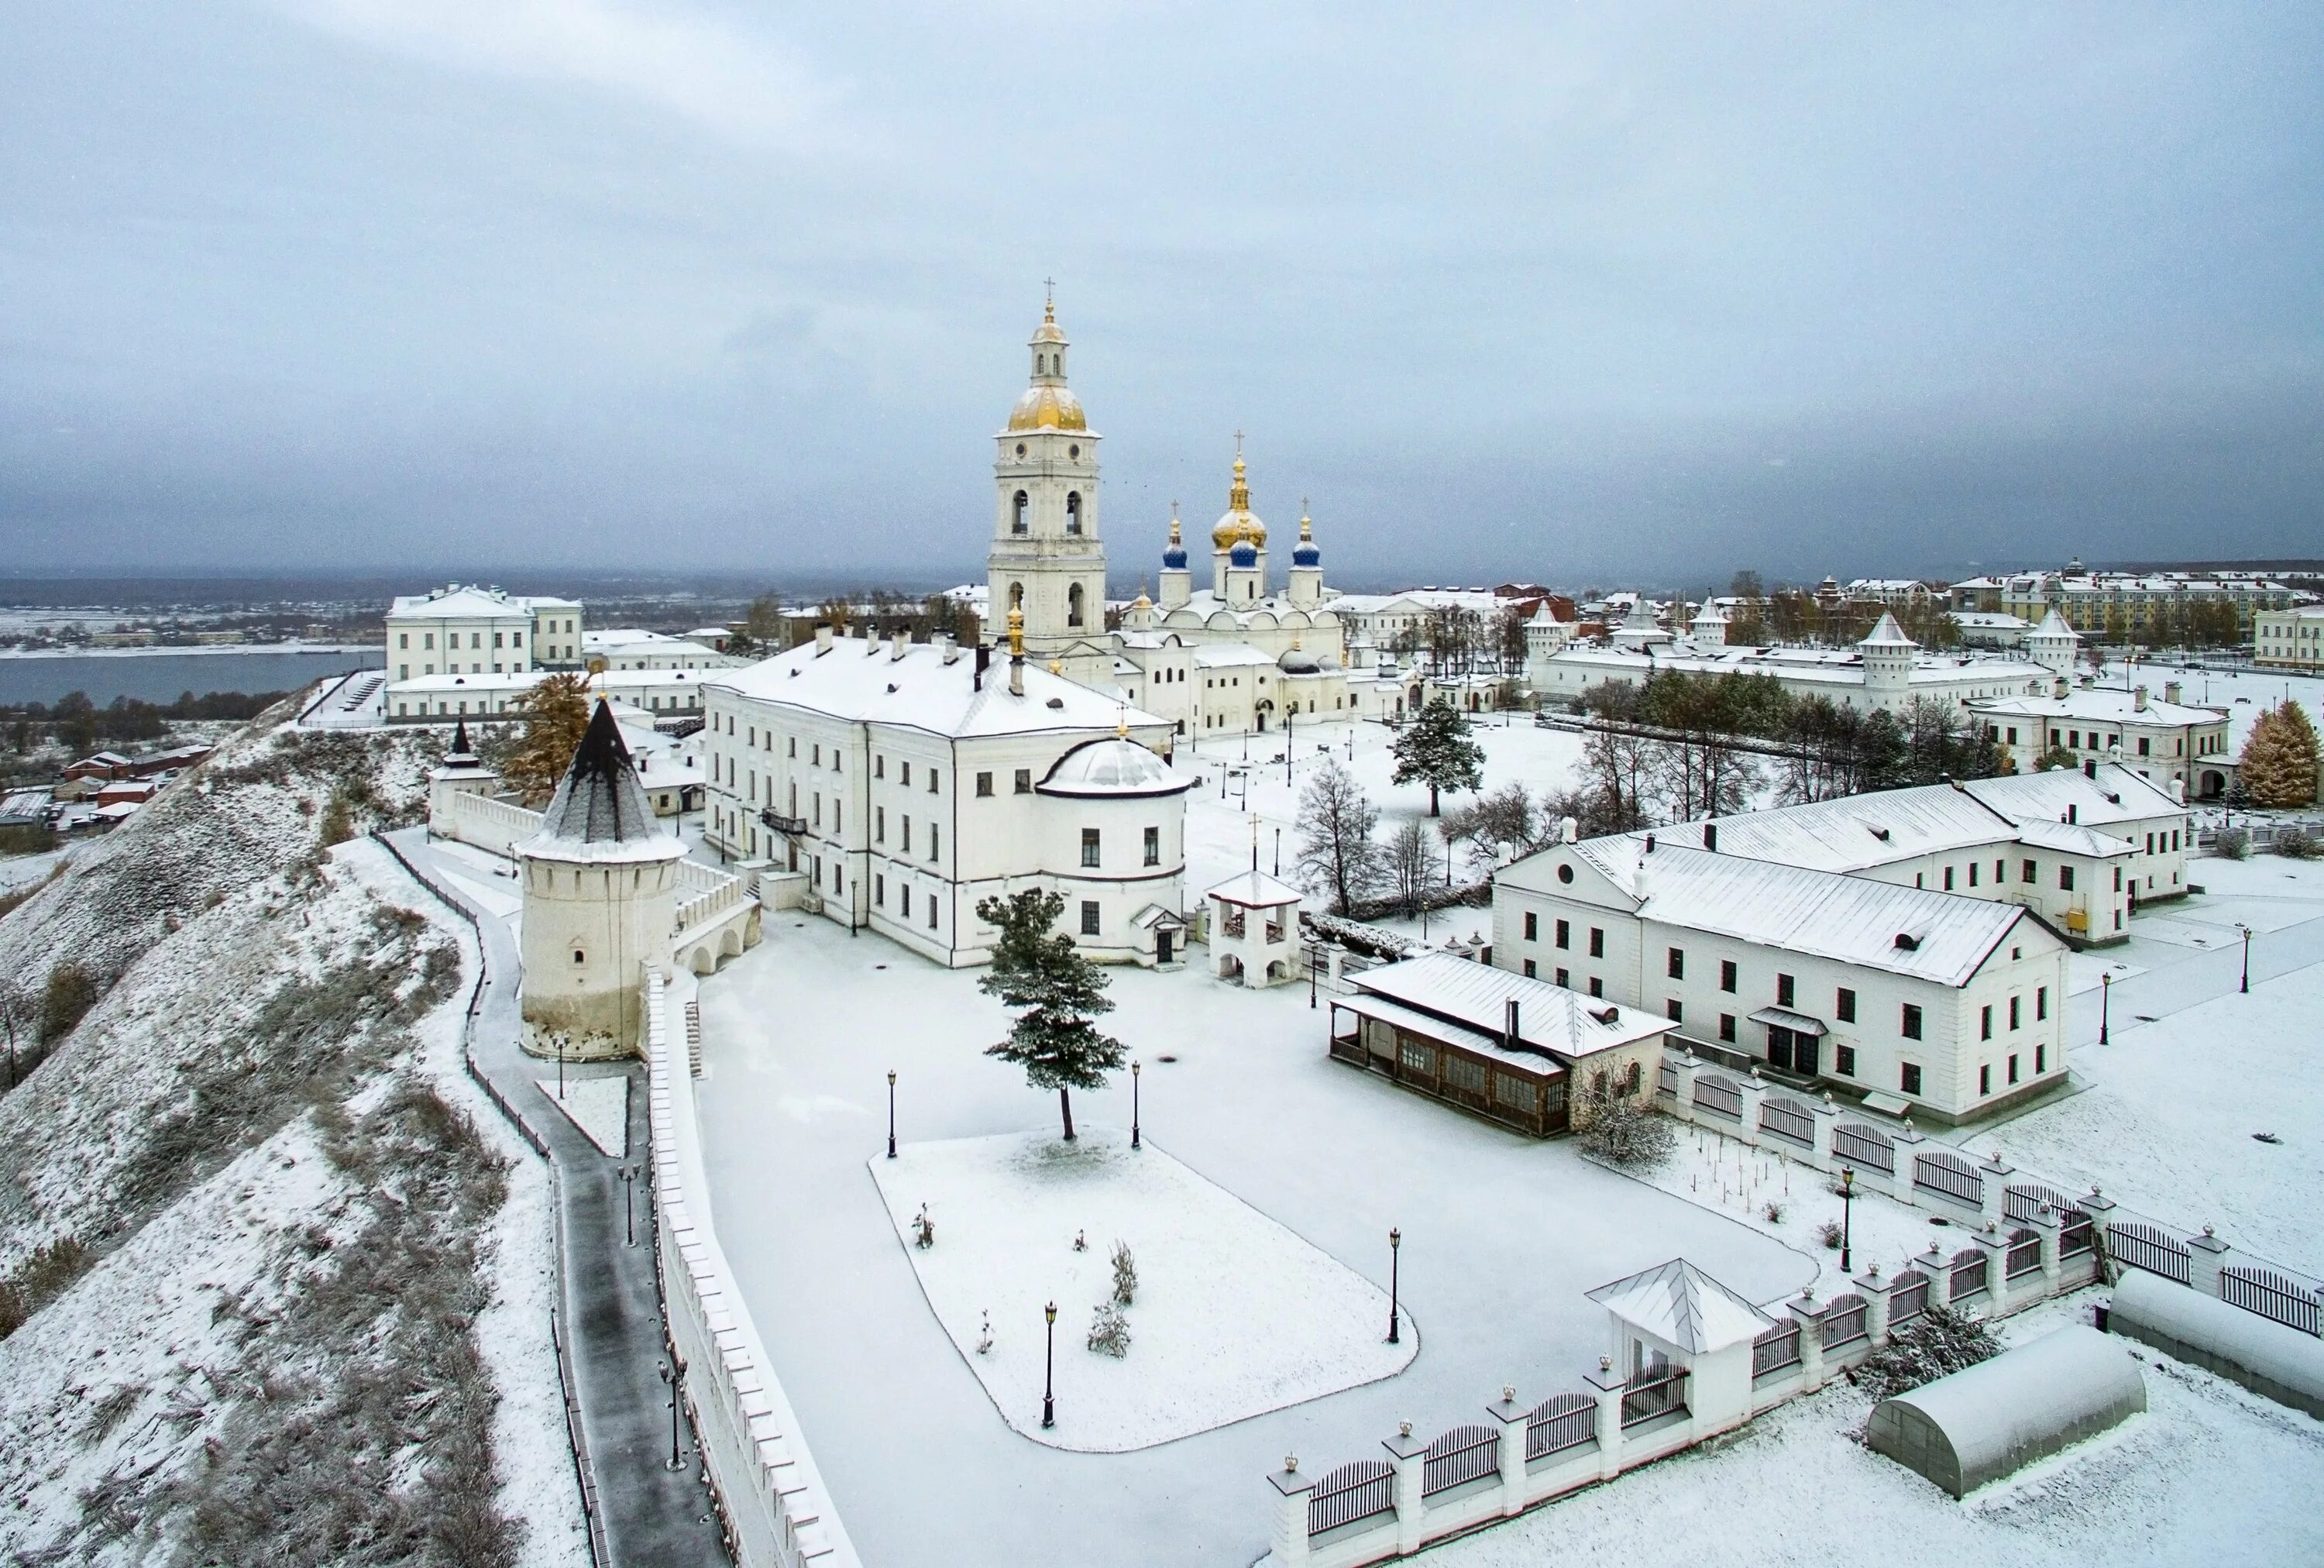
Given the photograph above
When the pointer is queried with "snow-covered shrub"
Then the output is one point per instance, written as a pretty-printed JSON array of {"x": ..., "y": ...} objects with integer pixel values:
[
  {"x": 924, "y": 1230},
  {"x": 1109, "y": 1333},
  {"x": 2232, "y": 843},
  {"x": 65, "y": 1000},
  {"x": 1830, "y": 1234},
  {"x": 1125, "y": 1273},
  {"x": 1623, "y": 1129},
  {"x": 45, "y": 1272},
  {"x": 1935, "y": 1344},
  {"x": 1773, "y": 1212},
  {"x": 2297, "y": 843}
]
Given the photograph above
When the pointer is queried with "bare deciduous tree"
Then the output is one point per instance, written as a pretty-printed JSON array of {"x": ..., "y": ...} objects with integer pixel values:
[{"x": 1337, "y": 853}]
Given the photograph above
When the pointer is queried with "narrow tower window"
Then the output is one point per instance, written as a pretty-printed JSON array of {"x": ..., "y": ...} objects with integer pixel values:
[
  {"x": 1073, "y": 605},
  {"x": 1073, "y": 512},
  {"x": 1017, "y": 522}
]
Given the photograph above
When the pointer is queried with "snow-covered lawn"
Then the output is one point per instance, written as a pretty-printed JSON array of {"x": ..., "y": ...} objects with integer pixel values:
[
  {"x": 1730, "y": 1176},
  {"x": 599, "y": 1106},
  {"x": 2208, "y": 1475},
  {"x": 1232, "y": 1314}
]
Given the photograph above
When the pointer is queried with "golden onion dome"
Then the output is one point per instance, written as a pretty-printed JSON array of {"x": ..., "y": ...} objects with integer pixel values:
[
  {"x": 1239, "y": 524},
  {"x": 1048, "y": 408}
]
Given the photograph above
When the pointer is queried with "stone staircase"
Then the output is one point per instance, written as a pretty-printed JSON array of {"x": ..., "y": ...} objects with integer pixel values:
[{"x": 694, "y": 1038}]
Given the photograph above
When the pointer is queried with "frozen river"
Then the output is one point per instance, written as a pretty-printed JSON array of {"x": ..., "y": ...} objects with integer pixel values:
[{"x": 161, "y": 674}]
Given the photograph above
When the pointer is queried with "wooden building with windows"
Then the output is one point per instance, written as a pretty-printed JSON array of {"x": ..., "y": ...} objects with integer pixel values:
[{"x": 1514, "y": 1050}]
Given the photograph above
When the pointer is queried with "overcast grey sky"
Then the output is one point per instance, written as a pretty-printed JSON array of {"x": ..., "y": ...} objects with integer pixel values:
[{"x": 1572, "y": 292}]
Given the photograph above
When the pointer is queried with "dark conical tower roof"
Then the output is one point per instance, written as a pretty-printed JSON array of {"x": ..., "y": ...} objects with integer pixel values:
[
  {"x": 461, "y": 752},
  {"x": 600, "y": 801}
]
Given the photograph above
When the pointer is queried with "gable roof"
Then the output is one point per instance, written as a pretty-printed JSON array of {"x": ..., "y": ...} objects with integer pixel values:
[
  {"x": 1682, "y": 1306},
  {"x": 865, "y": 681},
  {"x": 1550, "y": 1017}
]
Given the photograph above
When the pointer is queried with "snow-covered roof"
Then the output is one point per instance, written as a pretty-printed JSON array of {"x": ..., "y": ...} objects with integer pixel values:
[
  {"x": 1477, "y": 995},
  {"x": 1853, "y": 832},
  {"x": 2073, "y": 838},
  {"x": 1833, "y": 666},
  {"x": 1115, "y": 766},
  {"x": 622, "y": 637},
  {"x": 1886, "y": 634},
  {"x": 2053, "y": 624},
  {"x": 928, "y": 687},
  {"x": 2103, "y": 704},
  {"x": 1413, "y": 1021},
  {"x": 1229, "y": 656},
  {"x": 600, "y": 811},
  {"x": 1991, "y": 1419},
  {"x": 2109, "y": 793},
  {"x": 526, "y": 679},
  {"x": 470, "y": 603},
  {"x": 1988, "y": 619},
  {"x": 1254, "y": 890},
  {"x": 1682, "y": 1305}
]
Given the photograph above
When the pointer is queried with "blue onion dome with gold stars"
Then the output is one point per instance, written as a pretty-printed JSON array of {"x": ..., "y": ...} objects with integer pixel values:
[
  {"x": 1174, "y": 556},
  {"x": 1306, "y": 554},
  {"x": 1244, "y": 554}
]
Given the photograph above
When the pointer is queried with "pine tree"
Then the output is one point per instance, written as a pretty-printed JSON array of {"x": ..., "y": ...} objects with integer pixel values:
[
  {"x": 1040, "y": 970},
  {"x": 1438, "y": 750},
  {"x": 2279, "y": 760},
  {"x": 555, "y": 716}
]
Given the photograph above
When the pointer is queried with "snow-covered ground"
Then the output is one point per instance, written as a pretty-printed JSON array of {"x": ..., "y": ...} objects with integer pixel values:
[
  {"x": 1502, "y": 1235},
  {"x": 599, "y": 1106},
  {"x": 2208, "y": 1475},
  {"x": 1232, "y": 1316}
]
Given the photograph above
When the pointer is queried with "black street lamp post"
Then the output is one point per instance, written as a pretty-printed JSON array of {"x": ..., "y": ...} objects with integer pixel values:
[
  {"x": 1049, "y": 1372},
  {"x": 677, "y": 1460},
  {"x": 892, "y": 1113},
  {"x": 1135, "y": 1139},
  {"x": 1395, "y": 1256},
  {"x": 2246, "y": 983},
  {"x": 628, "y": 1206},
  {"x": 1847, "y": 1218},
  {"x": 2105, "y": 1005}
]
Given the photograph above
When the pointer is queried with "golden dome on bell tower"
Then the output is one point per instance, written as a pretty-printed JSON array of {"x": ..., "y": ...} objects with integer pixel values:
[
  {"x": 1239, "y": 524},
  {"x": 1049, "y": 405}
]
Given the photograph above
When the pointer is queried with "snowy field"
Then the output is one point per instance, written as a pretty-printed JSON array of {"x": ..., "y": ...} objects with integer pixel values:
[
  {"x": 1007, "y": 1212},
  {"x": 1502, "y": 1235},
  {"x": 2208, "y": 1475},
  {"x": 599, "y": 1106}
]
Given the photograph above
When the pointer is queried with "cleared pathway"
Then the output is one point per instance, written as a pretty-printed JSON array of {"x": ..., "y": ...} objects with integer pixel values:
[{"x": 650, "y": 1513}]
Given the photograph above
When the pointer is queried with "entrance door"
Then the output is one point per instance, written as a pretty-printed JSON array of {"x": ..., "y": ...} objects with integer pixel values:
[
  {"x": 1163, "y": 944},
  {"x": 1779, "y": 1046},
  {"x": 1806, "y": 1050}
]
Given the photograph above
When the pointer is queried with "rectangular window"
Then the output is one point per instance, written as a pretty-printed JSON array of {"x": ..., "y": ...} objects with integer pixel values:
[
  {"x": 908, "y": 834},
  {"x": 1529, "y": 969},
  {"x": 2013, "y": 1066},
  {"x": 2014, "y": 1003},
  {"x": 1089, "y": 917},
  {"x": 1676, "y": 964},
  {"x": 403, "y": 640},
  {"x": 790, "y": 745},
  {"x": 1596, "y": 942},
  {"x": 984, "y": 785},
  {"x": 1532, "y": 927},
  {"x": 935, "y": 774},
  {"x": 1910, "y": 1027},
  {"x": 1464, "y": 1073},
  {"x": 1597, "y": 986},
  {"x": 1565, "y": 935},
  {"x": 935, "y": 834},
  {"x": 1726, "y": 1026},
  {"x": 879, "y": 824},
  {"x": 1415, "y": 1057},
  {"x": 1972, "y": 873},
  {"x": 2000, "y": 872},
  {"x": 2041, "y": 1059},
  {"x": 2065, "y": 879},
  {"x": 880, "y": 890},
  {"x": 817, "y": 757},
  {"x": 879, "y": 766},
  {"x": 1154, "y": 846},
  {"x": 904, "y": 780},
  {"x": 904, "y": 901},
  {"x": 1845, "y": 1006},
  {"x": 932, "y": 911},
  {"x": 1984, "y": 1078},
  {"x": 1024, "y": 781},
  {"x": 1673, "y": 1012},
  {"x": 1089, "y": 847},
  {"x": 2042, "y": 1002},
  {"x": 1783, "y": 990},
  {"x": 1985, "y": 1022},
  {"x": 1909, "y": 1077},
  {"x": 2027, "y": 873},
  {"x": 1949, "y": 879},
  {"x": 1843, "y": 1060},
  {"x": 1727, "y": 975},
  {"x": 1564, "y": 980}
]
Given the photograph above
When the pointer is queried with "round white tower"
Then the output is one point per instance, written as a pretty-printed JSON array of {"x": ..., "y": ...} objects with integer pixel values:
[
  {"x": 1887, "y": 656},
  {"x": 1708, "y": 627},
  {"x": 2053, "y": 645},
  {"x": 600, "y": 900},
  {"x": 1047, "y": 558}
]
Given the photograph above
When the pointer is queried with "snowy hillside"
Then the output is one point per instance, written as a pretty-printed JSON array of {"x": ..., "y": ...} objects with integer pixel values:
[{"x": 271, "y": 1273}]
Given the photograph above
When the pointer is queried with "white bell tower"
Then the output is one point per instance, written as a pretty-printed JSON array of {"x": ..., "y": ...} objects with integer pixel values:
[{"x": 1047, "y": 558}]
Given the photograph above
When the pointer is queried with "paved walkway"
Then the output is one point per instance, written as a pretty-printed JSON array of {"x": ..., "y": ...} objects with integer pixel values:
[{"x": 650, "y": 1513}]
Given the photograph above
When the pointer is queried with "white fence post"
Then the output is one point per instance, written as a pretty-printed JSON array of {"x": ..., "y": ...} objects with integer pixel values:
[
  {"x": 1875, "y": 1290},
  {"x": 2206, "y": 1259},
  {"x": 1810, "y": 1317},
  {"x": 1409, "y": 1456},
  {"x": 1291, "y": 1489},
  {"x": 1607, "y": 1384},
  {"x": 1514, "y": 1419}
]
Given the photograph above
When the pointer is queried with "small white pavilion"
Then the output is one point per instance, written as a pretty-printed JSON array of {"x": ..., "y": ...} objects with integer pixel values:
[{"x": 1254, "y": 929}]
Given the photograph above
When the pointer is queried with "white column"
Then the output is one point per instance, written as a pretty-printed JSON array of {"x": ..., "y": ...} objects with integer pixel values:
[
  {"x": 1810, "y": 1317},
  {"x": 1607, "y": 1384},
  {"x": 1513, "y": 1419},
  {"x": 2207, "y": 1258},
  {"x": 1409, "y": 1456},
  {"x": 1288, "y": 1540}
]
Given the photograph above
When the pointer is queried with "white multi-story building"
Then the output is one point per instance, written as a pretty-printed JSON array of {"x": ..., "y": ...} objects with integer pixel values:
[
  {"x": 2134, "y": 601},
  {"x": 473, "y": 630},
  {"x": 2181, "y": 747},
  {"x": 1931, "y": 1004},
  {"x": 2291, "y": 639},
  {"x": 906, "y": 781},
  {"x": 437, "y": 699},
  {"x": 632, "y": 648}
]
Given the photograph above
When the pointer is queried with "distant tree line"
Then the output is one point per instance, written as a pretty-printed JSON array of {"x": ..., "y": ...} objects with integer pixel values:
[{"x": 78, "y": 723}]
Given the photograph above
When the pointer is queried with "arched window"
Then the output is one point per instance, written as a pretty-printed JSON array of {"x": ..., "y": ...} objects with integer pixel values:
[
  {"x": 1073, "y": 605},
  {"x": 1017, "y": 523},
  {"x": 1016, "y": 602},
  {"x": 1073, "y": 512}
]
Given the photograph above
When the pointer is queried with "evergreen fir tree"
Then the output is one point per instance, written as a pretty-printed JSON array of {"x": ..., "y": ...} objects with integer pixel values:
[
  {"x": 1061, "y": 993},
  {"x": 1438, "y": 750},
  {"x": 2279, "y": 760}
]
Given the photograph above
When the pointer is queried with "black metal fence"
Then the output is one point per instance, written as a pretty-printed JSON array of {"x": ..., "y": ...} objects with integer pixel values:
[
  {"x": 1968, "y": 1274},
  {"x": 2025, "y": 1254},
  {"x": 1844, "y": 1322},
  {"x": 1950, "y": 1173},
  {"x": 1908, "y": 1297},
  {"x": 1359, "y": 1490},
  {"x": 1463, "y": 1454},
  {"x": 1787, "y": 1118},
  {"x": 1777, "y": 1349},
  {"x": 1866, "y": 1145},
  {"x": 2270, "y": 1295},
  {"x": 1719, "y": 1095},
  {"x": 1653, "y": 1395},
  {"x": 2148, "y": 1247},
  {"x": 1560, "y": 1422}
]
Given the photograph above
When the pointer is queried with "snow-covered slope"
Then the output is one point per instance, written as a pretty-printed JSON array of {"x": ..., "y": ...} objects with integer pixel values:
[{"x": 253, "y": 1221}]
